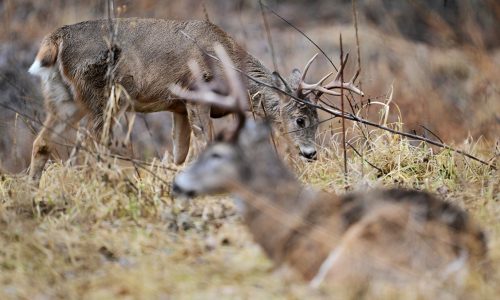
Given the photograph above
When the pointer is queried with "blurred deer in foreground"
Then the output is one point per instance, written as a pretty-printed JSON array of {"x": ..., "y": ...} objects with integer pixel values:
[
  {"x": 150, "y": 55},
  {"x": 395, "y": 236}
]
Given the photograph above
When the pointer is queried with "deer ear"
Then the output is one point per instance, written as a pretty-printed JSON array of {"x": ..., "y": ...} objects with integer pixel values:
[
  {"x": 294, "y": 79},
  {"x": 281, "y": 83},
  {"x": 255, "y": 133}
]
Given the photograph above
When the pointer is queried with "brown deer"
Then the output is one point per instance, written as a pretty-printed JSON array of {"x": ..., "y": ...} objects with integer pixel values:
[
  {"x": 396, "y": 236},
  {"x": 75, "y": 61}
]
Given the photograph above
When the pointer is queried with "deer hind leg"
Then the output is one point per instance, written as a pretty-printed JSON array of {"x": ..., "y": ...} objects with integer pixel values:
[
  {"x": 182, "y": 136},
  {"x": 201, "y": 125},
  {"x": 62, "y": 113}
]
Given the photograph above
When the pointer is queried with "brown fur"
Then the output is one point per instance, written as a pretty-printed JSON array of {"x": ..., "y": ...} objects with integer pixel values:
[
  {"x": 47, "y": 54},
  {"x": 392, "y": 235},
  {"x": 395, "y": 236},
  {"x": 149, "y": 56}
]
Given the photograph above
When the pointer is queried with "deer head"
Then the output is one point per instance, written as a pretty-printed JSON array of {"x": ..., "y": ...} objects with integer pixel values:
[{"x": 299, "y": 118}]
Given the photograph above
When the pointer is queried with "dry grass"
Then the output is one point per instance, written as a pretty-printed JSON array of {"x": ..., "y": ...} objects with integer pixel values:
[
  {"x": 104, "y": 230},
  {"x": 452, "y": 90}
]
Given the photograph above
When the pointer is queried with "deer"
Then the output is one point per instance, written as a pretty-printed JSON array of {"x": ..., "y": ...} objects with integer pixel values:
[
  {"x": 395, "y": 236},
  {"x": 76, "y": 61}
]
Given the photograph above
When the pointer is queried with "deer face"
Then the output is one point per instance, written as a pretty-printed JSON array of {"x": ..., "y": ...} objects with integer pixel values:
[
  {"x": 301, "y": 123},
  {"x": 218, "y": 168},
  {"x": 228, "y": 163},
  {"x": 300, "y": 120}
]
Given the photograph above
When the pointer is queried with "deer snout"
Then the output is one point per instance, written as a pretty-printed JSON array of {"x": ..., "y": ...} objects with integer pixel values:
[
  {"x": 309, "y": 153},
  {"x": 178, "y": 190}
]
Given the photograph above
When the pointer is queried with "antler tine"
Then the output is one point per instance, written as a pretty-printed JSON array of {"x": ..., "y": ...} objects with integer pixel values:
[
  {"x": 205, "y": 92},
  {"x": 306, "y": 68},
  {"x": 337, "y": 83},
  {"x": 237, "y": 89},
  {"x": 306, "y": 88},
  {"x": 303, "y": 86},
  {"x": 195, "y": 69},
  {"x": 236, "y": 86},
  {"x": 315, "y": 86}
]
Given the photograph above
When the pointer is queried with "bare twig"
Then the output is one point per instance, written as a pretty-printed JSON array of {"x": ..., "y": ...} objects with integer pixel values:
[
  {"x": 342, "y": 109},
  {"x": 302, "y": 33},
  {"x": 358, "y": 50},
  {"x": 272, "y": 134},
  {"x": 347, "y": 116},
  {"x": 268, "y": 33},
  {"x": 431, "y": 132},
  {"x": 355, "y": 15},
  {"x": 364, "y": 159}
]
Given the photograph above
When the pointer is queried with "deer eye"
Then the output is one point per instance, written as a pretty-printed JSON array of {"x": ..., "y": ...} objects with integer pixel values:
[
  {"x": 215, "y": 155},
  {"x": 301, "y": 122}
]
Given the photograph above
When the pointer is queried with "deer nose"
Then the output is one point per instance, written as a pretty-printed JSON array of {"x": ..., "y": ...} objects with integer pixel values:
[
  {"x": 311, "y": 154},
  {"x": 177, "y": 190}
]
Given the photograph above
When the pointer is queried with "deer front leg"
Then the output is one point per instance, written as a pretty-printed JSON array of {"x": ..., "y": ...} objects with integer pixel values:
[
  {"x": 201, "y": 125},
  {"x": 181, "y": 136},
  {"x": 56, "y": 124},
  {"x": 41, "y": 150}
]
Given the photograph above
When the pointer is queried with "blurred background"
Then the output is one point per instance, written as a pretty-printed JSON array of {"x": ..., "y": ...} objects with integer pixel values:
[{"x": 440, "y": 59}]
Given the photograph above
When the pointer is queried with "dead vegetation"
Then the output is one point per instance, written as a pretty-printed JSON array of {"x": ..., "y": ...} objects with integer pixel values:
[
  {"x": 102, "y": 230},
  {"x": 109, "y": 229}
]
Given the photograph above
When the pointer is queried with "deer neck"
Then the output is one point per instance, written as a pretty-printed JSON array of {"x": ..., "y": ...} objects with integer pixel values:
[
  {"x": 274, "y": 203},
  {"x": 294, "y": 225}
]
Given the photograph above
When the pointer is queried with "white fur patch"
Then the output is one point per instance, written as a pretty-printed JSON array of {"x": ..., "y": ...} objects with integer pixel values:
[
  {"x": 307, "y": 149},
  {"x": 37, "y": 70},
  {"x": 325, "y": 268},
  {"x": 460, "y": 264},
  {"x": 240, "y": 204},
  {"x": 35, "y": 67},
  {"x": 184, "y": 181}
]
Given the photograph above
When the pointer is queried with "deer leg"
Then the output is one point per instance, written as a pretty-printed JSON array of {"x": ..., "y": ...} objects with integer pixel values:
[
  {"x": 67, "y": 115},
  {"x": 41, "y": 150},
  {"x": 201, "y": 125},
  {"x": 182, "y": 136}
]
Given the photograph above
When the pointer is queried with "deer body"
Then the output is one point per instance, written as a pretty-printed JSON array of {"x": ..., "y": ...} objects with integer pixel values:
[
  {"x": 149, "y": 56},
  {"x": 389, "y": 235}
]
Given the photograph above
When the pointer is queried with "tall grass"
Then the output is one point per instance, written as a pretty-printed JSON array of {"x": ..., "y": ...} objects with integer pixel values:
[{"x": 105, "y": 229}]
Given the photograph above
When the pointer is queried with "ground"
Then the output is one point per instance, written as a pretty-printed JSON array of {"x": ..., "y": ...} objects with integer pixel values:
[{"x": 106, "y": 229}]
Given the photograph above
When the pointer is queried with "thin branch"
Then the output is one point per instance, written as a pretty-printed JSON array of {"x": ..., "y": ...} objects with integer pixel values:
[
  {"x": 364, "y": 159},
  {"x": 312, "y": 125},
  {"x": 431, "y": 132},
  {"x": 302, "y": 33},
  {"x": 272, "y": 134},
  {"x": 269, "y": 39},
  {"x": 355, "y": 15},
  {"x": 347, "y": 116},
  {"x": 342, "y": 110}
]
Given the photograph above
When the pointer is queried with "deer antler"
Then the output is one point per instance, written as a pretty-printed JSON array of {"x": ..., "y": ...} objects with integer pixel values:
[
  {"x": 207, "y": 93},
  {"x": 305, "y": 88}
]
